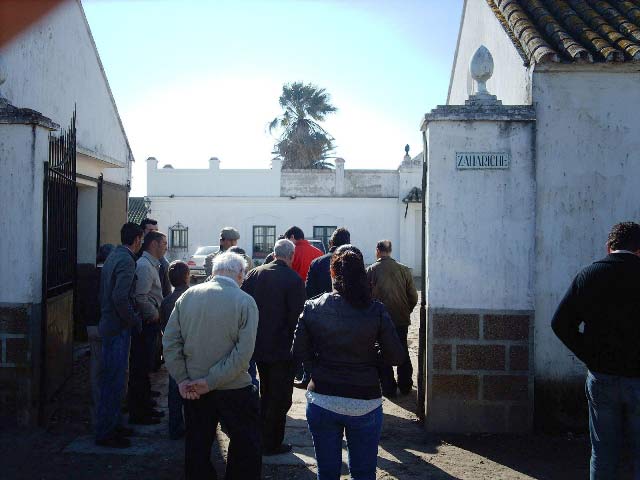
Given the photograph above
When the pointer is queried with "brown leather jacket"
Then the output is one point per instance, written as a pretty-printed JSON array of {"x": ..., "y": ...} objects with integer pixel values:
[{"x": 391, "y": 283}]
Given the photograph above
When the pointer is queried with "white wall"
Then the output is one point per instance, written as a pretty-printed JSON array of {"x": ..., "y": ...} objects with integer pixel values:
[
  {"x": 510, "y": 81},
  {"x": 588, "y": 167},
  {"x": 54, "y": 66},
  {"x": 480, "y": 242},
  {"x": 87, "y": 223},
  {"x": 368, "y": 219},
  {"x": 23, "y": 150}
]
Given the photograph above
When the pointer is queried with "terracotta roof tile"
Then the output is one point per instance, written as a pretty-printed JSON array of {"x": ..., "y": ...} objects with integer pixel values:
[
  {"x": 137, "y": 209},
  {"x": 572, "y": 30}
]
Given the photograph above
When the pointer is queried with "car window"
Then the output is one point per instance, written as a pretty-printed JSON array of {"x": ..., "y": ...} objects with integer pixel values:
[{"x": 206, "y": 250}]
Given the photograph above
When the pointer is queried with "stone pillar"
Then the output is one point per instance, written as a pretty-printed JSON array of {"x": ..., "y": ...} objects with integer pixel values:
[
  {"x": 480, "y": 202},
  {"x": 24, "y": 148},
  {"x": 339, "y": 176}
]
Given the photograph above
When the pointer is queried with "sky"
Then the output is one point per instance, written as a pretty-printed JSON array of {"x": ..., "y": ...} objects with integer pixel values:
[{"x": 195, "y": 79}]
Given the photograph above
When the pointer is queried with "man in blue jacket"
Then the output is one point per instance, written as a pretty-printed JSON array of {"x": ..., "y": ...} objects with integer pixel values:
[
  {"x": 605, "y": 297},
  {"x": 118, "y": 317}
]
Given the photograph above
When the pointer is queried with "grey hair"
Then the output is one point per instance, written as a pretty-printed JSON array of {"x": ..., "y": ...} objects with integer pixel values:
[
  {"x": 229, "y": 264},
  {"x": 284, "y": 248}
]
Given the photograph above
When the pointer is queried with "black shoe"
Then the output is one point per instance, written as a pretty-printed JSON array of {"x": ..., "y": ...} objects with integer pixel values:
[
  {"x": 125, "y": 431},
  {"x": 301, "y": 384},
  {"x": 155, "y": 393},
  {"x": 284, "y": 448},
  {"x": 156, "y": 413},
  {"x": 116, "y": 441},
  {"x": 146, "y": 420}
]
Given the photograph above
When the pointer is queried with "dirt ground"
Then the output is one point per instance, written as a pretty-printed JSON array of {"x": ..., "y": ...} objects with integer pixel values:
[{"x": 65, "y": 450}]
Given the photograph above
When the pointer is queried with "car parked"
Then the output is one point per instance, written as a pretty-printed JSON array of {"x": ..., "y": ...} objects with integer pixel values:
[
  {"x": 318, "y": 244},
  {"x": 196, "y": 261}
]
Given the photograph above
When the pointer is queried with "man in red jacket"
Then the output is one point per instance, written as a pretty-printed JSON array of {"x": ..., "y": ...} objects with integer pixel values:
[{"x": 305, "y": 252}]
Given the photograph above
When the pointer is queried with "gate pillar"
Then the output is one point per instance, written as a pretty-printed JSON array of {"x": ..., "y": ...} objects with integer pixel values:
[
  {"x": 24, "y": 149},
  {"x": 480, "y": 238}
]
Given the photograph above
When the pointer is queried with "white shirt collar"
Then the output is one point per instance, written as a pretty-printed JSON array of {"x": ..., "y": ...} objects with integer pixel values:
[{"x": 623, "y": 251}]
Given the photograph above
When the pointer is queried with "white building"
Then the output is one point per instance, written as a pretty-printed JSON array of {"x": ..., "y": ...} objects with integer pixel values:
[
  {"x": 511, "y": 239},
  {"x": 372, "y": 204},
  {"x": 50, "y": 240}
]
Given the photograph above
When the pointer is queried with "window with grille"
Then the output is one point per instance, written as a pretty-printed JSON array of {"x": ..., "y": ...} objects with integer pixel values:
[
  {"x": 179, "y": 236},
  {"x": 264, "y": 238},
  {"x": 324, "y": 233}
]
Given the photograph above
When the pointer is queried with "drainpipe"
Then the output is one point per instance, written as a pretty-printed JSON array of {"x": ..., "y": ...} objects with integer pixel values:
[{"x": 422, "y": 334}]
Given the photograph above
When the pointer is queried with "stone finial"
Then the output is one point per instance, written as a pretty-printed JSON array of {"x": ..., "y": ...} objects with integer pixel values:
[
  {"x": 214, "y": 163},
  {"x": 481, "y": 68}
]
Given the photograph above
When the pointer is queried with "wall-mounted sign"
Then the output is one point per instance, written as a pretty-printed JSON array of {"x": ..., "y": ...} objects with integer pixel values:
[{"x": 482, "y": 160}]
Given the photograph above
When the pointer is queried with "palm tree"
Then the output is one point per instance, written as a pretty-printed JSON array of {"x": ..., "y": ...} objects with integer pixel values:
[{"x": 303, "y": 143}]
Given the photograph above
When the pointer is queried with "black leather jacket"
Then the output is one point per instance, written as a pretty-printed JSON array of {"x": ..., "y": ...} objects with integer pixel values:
[{"x": 346, "y": 346}]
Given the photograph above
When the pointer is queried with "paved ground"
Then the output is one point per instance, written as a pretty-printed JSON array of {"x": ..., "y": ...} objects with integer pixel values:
[{"x": 65, "y": 450}]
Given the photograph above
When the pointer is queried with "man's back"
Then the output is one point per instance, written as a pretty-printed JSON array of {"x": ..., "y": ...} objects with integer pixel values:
[
  {"x": 391, "y": 283},
  {"x": 212, "y": 324},
  {"x": 280, "y": 296},
  {"x": 304, "y": 254},
  {"x": 606, "y": 297},
  {"x": 319, "y": 276}
]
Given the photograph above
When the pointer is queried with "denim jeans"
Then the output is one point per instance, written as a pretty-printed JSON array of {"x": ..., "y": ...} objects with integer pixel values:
[
  {"x": 176, "y": 418},
  {"x": 253, "y": 371},
  {"x": 142, "y": 348},
  {"x": 363, "y": 436},
  {"x": 115, "y": 354},
  {"x": 614, "y": 408}
]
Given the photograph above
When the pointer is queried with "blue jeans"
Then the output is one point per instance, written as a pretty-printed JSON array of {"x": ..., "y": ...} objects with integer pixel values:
[
  {"x": 614, "y": 407},
  {"x": 363, "y": 435},
  {"x": 115, "y": 356},
  {"x": 176, "y": 418},
  {"x": 253, "y": 371}
]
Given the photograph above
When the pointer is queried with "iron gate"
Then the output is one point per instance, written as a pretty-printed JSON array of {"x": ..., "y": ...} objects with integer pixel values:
[
  {"x": 61, "y": 211},
  {"x": 59, "y": 262}
]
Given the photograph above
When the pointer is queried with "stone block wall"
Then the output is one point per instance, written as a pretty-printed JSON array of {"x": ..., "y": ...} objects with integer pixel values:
[{"x": 479, "y": 371}]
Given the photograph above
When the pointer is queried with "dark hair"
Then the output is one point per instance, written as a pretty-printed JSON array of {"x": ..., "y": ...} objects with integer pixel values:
[
  {"x": 147, "y": 221},
  {"x": 237, "y": 249},
  {"x": 104, "y": 251},
  {"x": 129, "y": 232},
  {"x": 297, "y": 233},
  {"x": 340, "y": 236},
  {"x": 384, "y": 246},
  {"x": 624, "y": 236},
  {"x": 349, "y": 277},
  {"x": 178, "y": 271},
  {"x": 151, "y": 237}
]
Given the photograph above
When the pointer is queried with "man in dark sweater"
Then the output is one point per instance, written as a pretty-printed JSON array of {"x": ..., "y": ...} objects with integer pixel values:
[
  {"x": 605, "y": 297},
  {"x": 319, "y": 278},
  {"x": 279, "y": 294}
]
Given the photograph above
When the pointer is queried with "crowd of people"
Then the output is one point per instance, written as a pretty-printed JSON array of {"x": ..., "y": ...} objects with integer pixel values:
[{"x": 237, "y": 344}]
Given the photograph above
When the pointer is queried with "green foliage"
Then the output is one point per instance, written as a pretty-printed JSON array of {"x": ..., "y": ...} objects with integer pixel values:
[{"x": 303, "y": 143}]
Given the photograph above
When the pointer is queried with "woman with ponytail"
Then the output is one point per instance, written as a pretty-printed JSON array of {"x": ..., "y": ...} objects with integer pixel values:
[{"x": 346, "y": 336}]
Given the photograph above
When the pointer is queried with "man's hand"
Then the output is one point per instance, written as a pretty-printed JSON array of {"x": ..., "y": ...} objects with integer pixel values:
[
  {"x": 187, "y": 391},
  {"x": 200, "y": 386}
]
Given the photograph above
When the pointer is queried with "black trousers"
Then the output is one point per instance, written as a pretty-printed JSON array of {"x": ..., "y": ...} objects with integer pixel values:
[
  {"x": 239, "y": 410},
  {"x": 405, "y": 370},
  {"x": 140, "y": 365},
  {"x": 276, "y": 389}
]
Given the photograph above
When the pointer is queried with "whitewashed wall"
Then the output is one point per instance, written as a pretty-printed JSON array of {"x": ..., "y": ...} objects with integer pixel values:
[
  {"x": 368, "y": 219},
  {"x": 23, "y": 149},
  {"x": 510, "y": 81},
  {"x": 587, "y": 171},
  {"x": 480, "y": 223}
]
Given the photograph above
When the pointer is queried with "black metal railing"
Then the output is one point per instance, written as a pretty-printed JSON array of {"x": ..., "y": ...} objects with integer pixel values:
[{"x": 60, "y": 221}]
